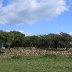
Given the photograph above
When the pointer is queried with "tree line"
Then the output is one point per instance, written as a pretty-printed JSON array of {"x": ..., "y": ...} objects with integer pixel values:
[{"x": 17, "y": 39}]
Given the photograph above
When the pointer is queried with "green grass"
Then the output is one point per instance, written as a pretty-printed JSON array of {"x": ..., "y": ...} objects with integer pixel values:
[{"x": 47, "y": 63}]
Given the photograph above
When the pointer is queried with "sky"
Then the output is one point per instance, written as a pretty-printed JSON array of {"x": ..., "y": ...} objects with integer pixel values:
[{"x": 35, "y": 17}]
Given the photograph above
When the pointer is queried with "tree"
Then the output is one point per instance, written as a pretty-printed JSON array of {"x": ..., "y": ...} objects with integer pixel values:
[
  {"x": 18, "y": 39},
  {"x": 67, "y": 38},
  {"x": 54, "y": 40}
]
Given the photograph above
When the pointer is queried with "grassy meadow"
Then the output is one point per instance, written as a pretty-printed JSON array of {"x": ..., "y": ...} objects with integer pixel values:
[
  {"x": 42, "y": 63},
  {"x": 47, "y": 62}
]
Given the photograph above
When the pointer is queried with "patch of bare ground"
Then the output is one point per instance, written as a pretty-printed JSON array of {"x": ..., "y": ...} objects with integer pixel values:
[{"x": 32, "y": 51}]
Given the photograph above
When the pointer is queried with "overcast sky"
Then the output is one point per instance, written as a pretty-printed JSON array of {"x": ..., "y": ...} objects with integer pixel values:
[{"x": 36, "y": 16}]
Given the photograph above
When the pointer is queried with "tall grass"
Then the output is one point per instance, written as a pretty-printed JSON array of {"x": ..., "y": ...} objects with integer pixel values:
[{"x": 43, "y": 63}]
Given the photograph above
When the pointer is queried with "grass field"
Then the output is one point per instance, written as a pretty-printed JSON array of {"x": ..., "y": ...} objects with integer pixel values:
[{"x": 44, "y": 63}]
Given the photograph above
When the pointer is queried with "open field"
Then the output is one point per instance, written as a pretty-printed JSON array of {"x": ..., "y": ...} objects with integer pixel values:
[
  {"x": 35, "y": 60},
  {"x": 44, "y": 63}
]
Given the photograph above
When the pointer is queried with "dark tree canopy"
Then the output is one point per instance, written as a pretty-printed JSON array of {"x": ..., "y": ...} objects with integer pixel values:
[{"x": 17, "y": 39}]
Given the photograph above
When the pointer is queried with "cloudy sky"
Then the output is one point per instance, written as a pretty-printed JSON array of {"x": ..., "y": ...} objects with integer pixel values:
[{"x": 34, "y": 17}]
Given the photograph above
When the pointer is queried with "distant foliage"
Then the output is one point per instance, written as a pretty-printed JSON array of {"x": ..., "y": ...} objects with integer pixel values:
[{"x": 54, "y": 41}]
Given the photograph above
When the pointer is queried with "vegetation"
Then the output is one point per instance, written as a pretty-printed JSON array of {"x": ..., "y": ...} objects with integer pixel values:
[
  {"x": 46, "y": 63},
  {"x": 34, "y": 58},
  {"x": 54, "y": 41}
]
